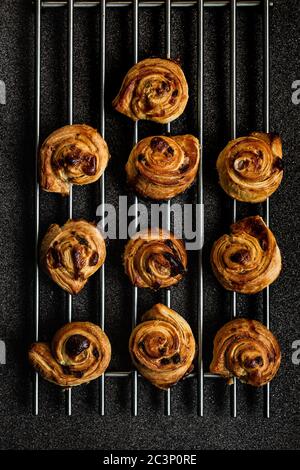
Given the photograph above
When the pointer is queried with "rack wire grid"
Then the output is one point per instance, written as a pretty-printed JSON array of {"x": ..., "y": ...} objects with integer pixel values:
[{"x": 135, "y": 5}]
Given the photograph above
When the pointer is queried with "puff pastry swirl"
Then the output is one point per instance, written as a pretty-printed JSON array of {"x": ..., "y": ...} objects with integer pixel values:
[
  {"x": 246, "y": 349},
  {"x": 155, "y": 258},
  {"x": 250, "y": 168},
  {"x": 248, "y": 259},
  {"x": 162, "y": 346},
  {"x": 74, "y": 154},
  {"x": 153, "y": 89},
  {"x": 161, "y": 167},
  {"x": 72, "y": 253},
  {"x": 79, "y": 352}
]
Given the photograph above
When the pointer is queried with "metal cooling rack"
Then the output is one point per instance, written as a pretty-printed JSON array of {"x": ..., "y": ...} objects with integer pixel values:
[{"x": 135, "y": 5}]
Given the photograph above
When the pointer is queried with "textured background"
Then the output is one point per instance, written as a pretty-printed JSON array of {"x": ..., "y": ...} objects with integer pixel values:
[{"x": 151, "y": 429}]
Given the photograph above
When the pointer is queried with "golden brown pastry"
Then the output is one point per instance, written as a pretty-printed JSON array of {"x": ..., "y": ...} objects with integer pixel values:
[
  {"x": 74, "y": 154},
  {"x": 161, "y": 167},
  {"x": 248, "y": 259},
  {"x": 155, "y": 258},
  {"x": 79, "y": 352},
  {"x": 162, "y": 347},
  {"x": 153, "y": 89},
  {"x": 250, "y": 168},
  {"x": 72, "y": 253},
  {"x": 246, "y": 349}
]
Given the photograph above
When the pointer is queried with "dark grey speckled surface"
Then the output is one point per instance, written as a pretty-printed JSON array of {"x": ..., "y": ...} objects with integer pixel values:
[{"x": 150, "y": 430}]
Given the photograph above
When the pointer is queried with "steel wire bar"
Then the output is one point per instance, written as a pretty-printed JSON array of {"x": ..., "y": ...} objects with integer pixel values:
[
  {"x": 233, "y": 389},
  {"x": 168, "y": 4},
  {"x": 266, "y": 293},
  {"x": 36, "y": 305},
  {"x": 200, "y": 306},
  {"x": 135, "y": 21},
  {"x": 168, "y": 221},
  {"x": 70, "y": 121},
  {"x": 151, "y": 4},
  {"x": 102, "y": 187}
]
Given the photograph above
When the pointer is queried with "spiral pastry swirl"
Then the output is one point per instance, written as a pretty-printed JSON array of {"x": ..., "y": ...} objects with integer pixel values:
[
  {"x": 246, "y": 349},
  {"x": 74, "y": 154},
  {"x": 155, "y": 259},
  {"x": 248, "y": 259},
  {"x": 72, "y": 253},
  {"x": 161, "y": 167},
  {"x": 251, "y": 168},
  {"x": 153, "y": 89},
  {"x": 79, "y": 352},
  {"x": 162, "y": 347}
]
